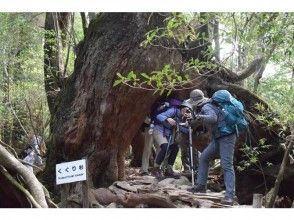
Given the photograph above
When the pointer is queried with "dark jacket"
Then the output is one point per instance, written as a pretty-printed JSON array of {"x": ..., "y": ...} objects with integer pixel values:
[{"x": 212, "y": 117}]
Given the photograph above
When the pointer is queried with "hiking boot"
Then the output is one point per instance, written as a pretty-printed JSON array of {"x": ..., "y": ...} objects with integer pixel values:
[
  {"x": 157, "y": 173},
  {"x": 227, "y": 201},
  {"x": 197, "y": 189},
  {"x": 168, "y": 172}
]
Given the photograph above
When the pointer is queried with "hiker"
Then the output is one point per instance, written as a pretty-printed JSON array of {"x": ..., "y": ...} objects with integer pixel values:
[
  {"x": 164, "y": 136},
  {"x": 149, "y": 123},
  {"x": 221, "y": 145},
  {"x": 148, "y": 145},
  {"x": 33, "y": 154}
]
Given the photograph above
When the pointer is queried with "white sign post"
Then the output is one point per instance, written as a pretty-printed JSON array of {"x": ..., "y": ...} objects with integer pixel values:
[{"x": 69, "y": 172}]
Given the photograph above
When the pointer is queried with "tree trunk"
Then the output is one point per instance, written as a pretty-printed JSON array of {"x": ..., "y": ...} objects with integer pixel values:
[
  {"x": 281, "y": 173},
  {"x": 292, "y": 79},
  {"x": 137, "y": 149},
  {"x": 92, "y": 15},
  {"x": 99, "y": 121},
  {"x": 85, "y": 22},
  {"x": 95, "y": 119},
  {"x": 57, "y": 29},
  {"x": 216, "y": 39},
  {"x": 7, "y": 127}
]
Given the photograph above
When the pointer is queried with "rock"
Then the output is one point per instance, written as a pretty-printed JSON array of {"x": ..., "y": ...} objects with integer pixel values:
[
  {"x": 112, "y": 205},
  {"x": 125, "y": 186},
  {"x": 182, "y": 181},
  {"x": 167, "y": 181}
]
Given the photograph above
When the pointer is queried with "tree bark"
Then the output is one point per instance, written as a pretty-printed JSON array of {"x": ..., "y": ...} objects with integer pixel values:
[
  {"x": 85, "y": 22},
  {"x": 97, "y": 120},
  {"x": 94, "y": 118},
  {"x": 56, "y": 37},
  {"x": 216, "y": 39},
  {"x": 282, "y": 169}
]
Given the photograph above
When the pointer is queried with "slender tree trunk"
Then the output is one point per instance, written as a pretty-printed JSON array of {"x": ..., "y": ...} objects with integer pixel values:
[
  {"x": 85, "y": 22},
  {"x": 292, "y": 79},
  {"x": 216, "y": 39},
  {"x": 56, "y": 26},
  {"x": 7, "y": 127},
  {"x": 92, "y": 15},
  {"x": 282, "y": 169}
]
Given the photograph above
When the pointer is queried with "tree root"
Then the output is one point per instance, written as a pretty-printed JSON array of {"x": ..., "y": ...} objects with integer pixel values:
[
  {"x": 20, "y": 187},
  {"x": 35, "y": 187}
]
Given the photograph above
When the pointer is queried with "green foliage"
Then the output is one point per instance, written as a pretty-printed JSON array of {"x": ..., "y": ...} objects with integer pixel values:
[
  {"x": 178, "y": 26},
  {"x": 22, "y": 95},
  {"x": 251, "y": 155},
  {"x": 165, "y": 80}
]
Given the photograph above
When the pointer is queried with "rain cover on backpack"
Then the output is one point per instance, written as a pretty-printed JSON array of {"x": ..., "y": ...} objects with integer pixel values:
[{"x": 233, "y": 110}]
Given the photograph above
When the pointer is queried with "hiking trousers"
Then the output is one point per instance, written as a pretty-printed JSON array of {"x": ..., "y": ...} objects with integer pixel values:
[
  {"x": 183, "y": 141},
  {"x": 222, "y": 148},
  {"x": 148, "y": 144}
]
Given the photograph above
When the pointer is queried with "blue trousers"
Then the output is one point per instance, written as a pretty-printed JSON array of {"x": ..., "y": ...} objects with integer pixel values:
[{"x": 224, "y": 148}]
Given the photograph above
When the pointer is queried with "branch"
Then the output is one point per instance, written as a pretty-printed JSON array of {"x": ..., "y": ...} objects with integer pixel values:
[
  {"x": 11, "y": 163},
  {"x": 10, "y": 148},
  {"x": 253, "y": 67},
  {"x": 238, "y": 90},
  {"x": 282, "y": 169},
  {"x": 26, "y": 163},
  {"x": 20, "y": 187}
]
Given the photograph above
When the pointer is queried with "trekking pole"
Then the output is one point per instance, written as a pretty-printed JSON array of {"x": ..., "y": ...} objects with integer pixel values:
[
  {"x": 168, "y": 146},
  {"x": 191, "y": 154}
]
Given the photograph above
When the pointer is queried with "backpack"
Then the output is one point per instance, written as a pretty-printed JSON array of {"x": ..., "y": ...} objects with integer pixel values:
[
  {"x": 233, "y": 111},
  {"x": 162, "y": 106}
]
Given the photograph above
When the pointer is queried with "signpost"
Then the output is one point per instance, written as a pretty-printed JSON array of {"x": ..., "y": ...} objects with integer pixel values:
[{"x": 71, "y": 172}]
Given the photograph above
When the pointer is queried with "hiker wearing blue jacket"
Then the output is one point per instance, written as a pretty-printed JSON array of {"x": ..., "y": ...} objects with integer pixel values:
[
  {"x": 163, "y": 134},
  {"x": 210, "y": 114}
]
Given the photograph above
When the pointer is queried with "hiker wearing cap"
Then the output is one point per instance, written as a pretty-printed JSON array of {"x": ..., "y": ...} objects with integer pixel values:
[
  {"x": 163, "y": 135},
  {"x": 212, "y": 116},
  {"x": 196, "y": 100}
]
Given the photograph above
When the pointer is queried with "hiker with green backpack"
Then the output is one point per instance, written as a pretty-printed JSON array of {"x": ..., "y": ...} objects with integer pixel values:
[{"x": 224, "y": 118}]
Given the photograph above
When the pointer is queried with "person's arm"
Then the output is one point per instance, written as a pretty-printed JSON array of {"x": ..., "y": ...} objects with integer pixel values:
[
  {"x": 207, "y": 115},
  {"x": 166, "y": 117}
]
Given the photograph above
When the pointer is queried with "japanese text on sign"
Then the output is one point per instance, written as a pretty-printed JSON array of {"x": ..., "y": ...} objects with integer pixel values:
[{"x": 71, "y": 172}]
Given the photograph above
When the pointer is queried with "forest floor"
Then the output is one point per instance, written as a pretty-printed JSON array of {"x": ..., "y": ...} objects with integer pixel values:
[{"x": 138, "y": 191}]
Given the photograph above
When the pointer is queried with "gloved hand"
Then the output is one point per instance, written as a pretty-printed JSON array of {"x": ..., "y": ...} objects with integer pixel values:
[
  {"x": 198, "y": 117},
  {"x": 197, "y": 121}
]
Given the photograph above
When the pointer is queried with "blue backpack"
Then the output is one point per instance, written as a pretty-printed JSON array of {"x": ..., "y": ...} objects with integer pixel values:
[{"x": 233, "y": 110}]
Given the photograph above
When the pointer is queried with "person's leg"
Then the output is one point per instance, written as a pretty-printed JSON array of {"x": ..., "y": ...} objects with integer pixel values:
[
  {"x": 174, "y": 149},
  {"x": 161, "y": 154},
  {"x": 208, "y": 154},
  {"x": 227, "y": 145},
  {"x": 184, "y": 146},
  {"x": 148, "y": 142},
  {"x": 161, "y": 144}
]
